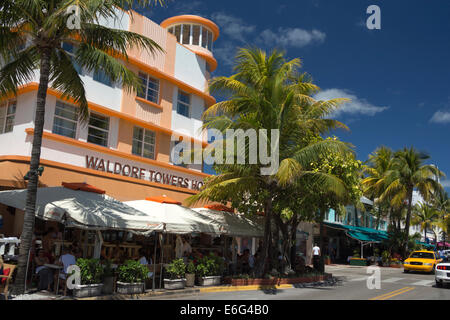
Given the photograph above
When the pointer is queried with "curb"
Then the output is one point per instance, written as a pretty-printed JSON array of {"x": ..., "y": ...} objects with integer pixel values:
[{"x": 223, "y": 288}]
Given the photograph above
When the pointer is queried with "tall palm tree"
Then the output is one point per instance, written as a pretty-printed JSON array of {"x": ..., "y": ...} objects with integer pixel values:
[
  {"x": 408, "y": 172},
  {"x": 441, "y": 202},
  {"x": 374, "y": 184},
  {"x": 426, "y": 216},
  {"x": 267, "y": 92},
  {"x": 31, "y": 38}
]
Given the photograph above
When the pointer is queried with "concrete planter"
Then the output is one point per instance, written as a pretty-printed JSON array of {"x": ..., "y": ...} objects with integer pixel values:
[
  {"x": 88, "y": 290},
  {"x": 190, "y": 279},
  {"x": 210, "y": 281},
  {"x": 130, "y": 288},
  {"x": 398, "y": 266},
  {"x": 174, "y": 284}
]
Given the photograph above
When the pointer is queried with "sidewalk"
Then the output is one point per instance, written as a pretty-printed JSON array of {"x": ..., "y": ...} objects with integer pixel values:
[{"x": 198, "y": 290}]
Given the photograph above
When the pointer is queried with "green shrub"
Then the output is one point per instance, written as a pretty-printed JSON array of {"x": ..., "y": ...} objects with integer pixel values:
[
  {"x": 176, "y": 269},
  {"x": 91, "y": 271},
  {"x": 211, "y": 265},
  {"x": 190, "y": 268},
  {"x": 133, "y": 272}
]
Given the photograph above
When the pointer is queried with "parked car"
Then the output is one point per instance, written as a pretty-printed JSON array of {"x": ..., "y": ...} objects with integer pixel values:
[
  {"x": 442, "y": 274},
  {"x": 447, "y": 254},
  {"x": 424, "y": 261}
]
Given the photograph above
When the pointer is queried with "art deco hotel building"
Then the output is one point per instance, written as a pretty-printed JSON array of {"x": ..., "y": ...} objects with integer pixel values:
[{"x": 125, "y": 147}]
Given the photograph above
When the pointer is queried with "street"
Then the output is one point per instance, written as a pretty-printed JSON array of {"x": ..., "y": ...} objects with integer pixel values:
[{"x": 352, "y": 285}]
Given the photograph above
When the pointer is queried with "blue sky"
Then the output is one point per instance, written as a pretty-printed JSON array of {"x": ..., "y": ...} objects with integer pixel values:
[{"x": 398, "y": 77}]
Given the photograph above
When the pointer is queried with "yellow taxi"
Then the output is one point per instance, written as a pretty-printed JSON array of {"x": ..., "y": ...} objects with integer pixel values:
[{"x": 422, "y": 260}]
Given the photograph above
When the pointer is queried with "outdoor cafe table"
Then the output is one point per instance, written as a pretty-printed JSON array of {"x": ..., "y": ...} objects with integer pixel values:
[{"x": 55, "y": 267}]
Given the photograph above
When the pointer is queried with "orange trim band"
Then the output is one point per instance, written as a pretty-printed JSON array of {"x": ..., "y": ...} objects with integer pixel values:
[
  {"x": 113, "y": 176},
  {"x": 33, "y": 86},
  {"x": 209, "y": 59},
  {"x": 148, "y": 102},
  {"x": 86, "y": 145},
  {"x": 192, "y": 19}
]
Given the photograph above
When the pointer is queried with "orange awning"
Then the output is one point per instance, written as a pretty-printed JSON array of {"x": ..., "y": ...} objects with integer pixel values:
[
  {"x": 163, "y": 199},
  {"x": 219, "y": 207},
  {"x": 83, "y": 187}
]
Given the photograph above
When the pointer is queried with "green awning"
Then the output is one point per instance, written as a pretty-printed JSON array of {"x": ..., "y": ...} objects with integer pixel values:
[
  {"x": 360, "y": 233},
  {"x": 426, "y": 245}
]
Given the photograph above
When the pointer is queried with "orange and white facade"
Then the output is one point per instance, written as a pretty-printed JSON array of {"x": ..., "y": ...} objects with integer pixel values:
[{"x": 125, "y": 149}]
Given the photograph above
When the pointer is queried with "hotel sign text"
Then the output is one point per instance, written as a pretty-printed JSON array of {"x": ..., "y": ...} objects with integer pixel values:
[{"x": 141, "y": 173}]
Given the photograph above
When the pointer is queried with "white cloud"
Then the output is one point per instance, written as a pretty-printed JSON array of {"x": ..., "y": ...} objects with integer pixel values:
[
  {"x": 226, "y": 53},
  {"x": 355, "y": 106},
  {"x": 445, "y": 183},
  {"x": 441, "y": 117},
  {"x": 292, "y": 37},
  {"x": 233, "y": 27}
]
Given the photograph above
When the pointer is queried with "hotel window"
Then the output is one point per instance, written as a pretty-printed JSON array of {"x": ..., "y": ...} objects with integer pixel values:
[
  {"x": 150, "y": 88},
  {"x": 195, "y": 35},
  {"x": 101, "y": 77},
  {"x": 65, "y": 120},
  {"x": 7, "y": 115},
  {"x": 98, "y": 129},
  {"x": 186, "y": 34},
  {"x": 70, "y": 49},
  {"x": 144, "y": 143},
  {"x": 184, "y": 102}
]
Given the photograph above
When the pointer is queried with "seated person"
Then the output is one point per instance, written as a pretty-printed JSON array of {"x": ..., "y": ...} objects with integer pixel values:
[
  {"x": 1, "y": 266},
  {"x": 143, "y": 260},
  {"x": 66, "y": 260},
  {"x": 45, "y": 273}
]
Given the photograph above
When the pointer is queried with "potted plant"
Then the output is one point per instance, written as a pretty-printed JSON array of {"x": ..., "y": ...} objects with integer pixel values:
[
  {"x": 91, "y": 273},
  {"x": 386, "y": 258},
  {"x": 132, "y": 276},
  {"x": 190, "y": 274},
  {"x": 176, "y": 271},
  {"x": 209, "y": 270},
  {"x": 108, "y": 278},
  {"x": 327, "y": 260}
]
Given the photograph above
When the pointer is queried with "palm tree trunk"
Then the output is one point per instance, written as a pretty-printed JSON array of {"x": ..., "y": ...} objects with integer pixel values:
[
  {"x": 408, "y": 221},
  {"x": 261, "y": 264},
  {"x": 29, "y": 216}
]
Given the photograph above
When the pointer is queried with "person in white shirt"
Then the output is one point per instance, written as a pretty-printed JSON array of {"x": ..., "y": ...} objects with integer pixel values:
[
  {"x": 143, "y": 260},
  {"x": 67, "y": 260},
  {"x": 187, "y": 249},
  {"x": 316, "y": 256}
]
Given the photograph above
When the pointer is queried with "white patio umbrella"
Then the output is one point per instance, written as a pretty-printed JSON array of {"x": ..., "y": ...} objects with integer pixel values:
[
  {"x": 82, "y": 209},
  {"x": 233, "y": 224},
  {"x": 176, "y": 218}
]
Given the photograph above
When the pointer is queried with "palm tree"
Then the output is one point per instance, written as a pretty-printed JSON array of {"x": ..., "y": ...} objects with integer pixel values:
[
  {"x": 374, "y": 184},
  {"x": 408, "y": 172},
  {"x": 267, "y": 93},
  {"x": 441, "y": 202},
  {"x": 31, "y": 38},
  {"x": 426, "y": 216}
]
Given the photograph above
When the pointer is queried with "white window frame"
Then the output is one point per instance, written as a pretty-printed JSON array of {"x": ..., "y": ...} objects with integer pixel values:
[
  {"x": 66, "y": 119},
  {"x": 191, "y": 35},
  {"x": 101, "y": 129},
  {"x": 183, "y": 103},
  {"x": 147, "y": 87},
  {"x": 144, "y": 143},
  {"x": 6, "y": 105}
]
